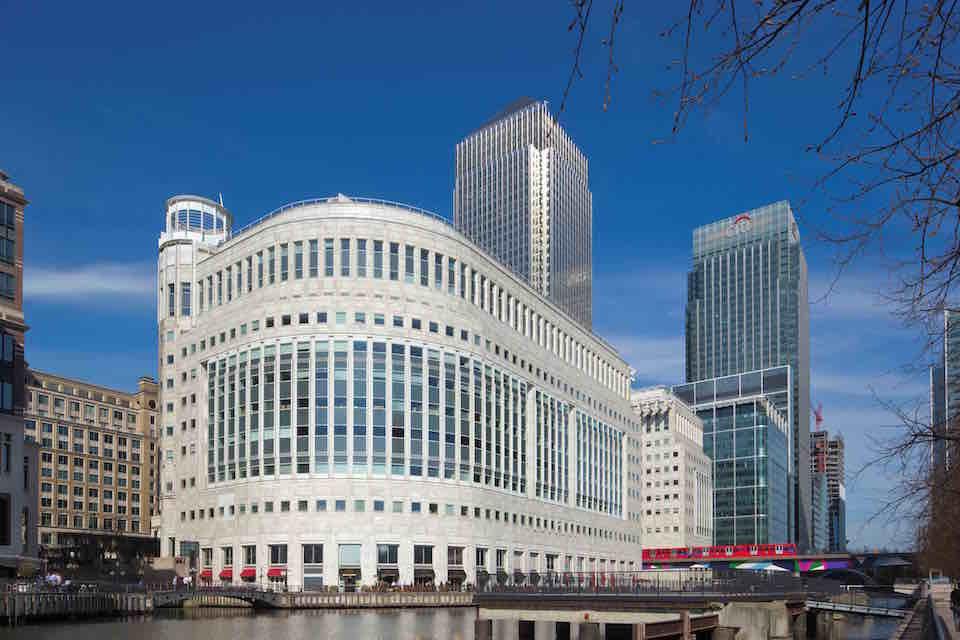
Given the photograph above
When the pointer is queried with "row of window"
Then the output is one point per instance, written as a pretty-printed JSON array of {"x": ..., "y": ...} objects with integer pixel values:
[
  {"x": 342, "y": 505},
  {"x": 388, "y": 554},
  {"x": 91, "y": 522},
  {"x": 359, "y": 407},
  {"x": 358, "y": 257},
  {"x": 41, "y": 402},
  {"x": 362, "y": 318}
]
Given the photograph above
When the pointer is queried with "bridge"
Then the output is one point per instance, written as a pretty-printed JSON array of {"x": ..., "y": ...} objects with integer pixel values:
[
  {"x": 846, "y": 607},
  {"x": 849, "y": 565},
  {"x": 218, "y": 596}
]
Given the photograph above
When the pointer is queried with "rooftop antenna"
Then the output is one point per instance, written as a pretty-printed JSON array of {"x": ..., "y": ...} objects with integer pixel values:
[{"x": 220, "y": 194}]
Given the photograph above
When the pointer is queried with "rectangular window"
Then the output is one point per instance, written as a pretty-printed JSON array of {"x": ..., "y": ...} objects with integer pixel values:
[
  {"x": 185, "y": 305},
  {"x": 298, "y": 260},
  {"x": 451, "y": 275},
  {"x": 171, "y": 300},
  {"x": 259, "y": 269},
  {"x": 361, "y": 258},
  {"x": 438, "y": 270},
  {"x": 314, "y": 257},
  {"x": 345, "y": 257},
  {"x": 422, "y": 554},
  {"x": 328, "y": 257},
  {"x": 394, "y": 261},
  {"x": 284, "y": 259},
  {"x": 388, "y": 553},
  {"x": 278, "y": 554},
  {"x": 424, "y": 268},
  {"x": 408, "y": 264},
  {"x": 271, "y": 265},
  {"x": 313, "y": 554}
]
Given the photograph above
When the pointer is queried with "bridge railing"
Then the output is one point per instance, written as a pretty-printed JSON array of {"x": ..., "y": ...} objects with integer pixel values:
[{"x": 689, "y": 582}]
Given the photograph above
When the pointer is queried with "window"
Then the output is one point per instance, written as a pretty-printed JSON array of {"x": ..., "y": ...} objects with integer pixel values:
[
  {"x": 328, "y": 257},
  {"x": 340, "y": 506},
  {"x": 321, "y": 505},
  {"x": 454, "y": 556},
  {"x": 227, "y": 556},
  {"x": 171, "y": 300},
  {"x": 377, "y": 259},
  {"x": 394, "y": 261},
  {"x": 345, "y": 257},
  {"x": 185, "y": 299},
  {"x": 298, "y": 260},
  {"x": 422, "y": 554},
  {"x": 408, "y": 264},
  {"x": 378, "y": 505},
  {"x": 313, "y": 554},
  {"x": 278, "y": 554},
  {"x": 388, "y": 553},
  {"x": 250, "y": 555},
  {"x": 424, "y": 267},
  {"x": 314, "y": 255},
  {"x": 361, "y": 258}
]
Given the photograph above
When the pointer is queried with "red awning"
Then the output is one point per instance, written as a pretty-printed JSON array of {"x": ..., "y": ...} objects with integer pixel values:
[
  {"x": 276, "y": 572},
  {"x": 206, "y": 574},
  {"x": 248, "y": 573},
  {"x": 227, "y": 574}
]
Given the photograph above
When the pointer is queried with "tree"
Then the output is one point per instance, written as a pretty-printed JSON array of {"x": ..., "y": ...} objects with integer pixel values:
[
  {"x": 892, "y": 154},
  {"x": 891, "y": 161}
]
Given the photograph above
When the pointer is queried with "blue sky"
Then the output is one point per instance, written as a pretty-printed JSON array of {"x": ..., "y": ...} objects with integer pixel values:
[{"x": 110, "y": 108}]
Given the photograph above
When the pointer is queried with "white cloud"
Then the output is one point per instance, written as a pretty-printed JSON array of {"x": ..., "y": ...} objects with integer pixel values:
[{"x": 129, "y": 281}]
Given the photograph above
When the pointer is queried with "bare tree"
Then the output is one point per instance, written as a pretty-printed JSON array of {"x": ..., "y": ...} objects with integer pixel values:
[
  {"x": 891, "y": 159},
  {"x": 891, "y": 156}
]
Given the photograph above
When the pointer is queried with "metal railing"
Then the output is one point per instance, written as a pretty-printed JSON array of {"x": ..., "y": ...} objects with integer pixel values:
[
  {"x": 690, "y": 583},
  {"x": 339, "y": 199}
]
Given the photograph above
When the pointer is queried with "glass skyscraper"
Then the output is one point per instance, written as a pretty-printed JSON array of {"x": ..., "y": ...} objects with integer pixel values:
[
  {"x": 521, "y": 194},
  {"x": 747, "y": 309},
  {"x": 746, "y": 425},
  {"x": 945, "y": 389}
]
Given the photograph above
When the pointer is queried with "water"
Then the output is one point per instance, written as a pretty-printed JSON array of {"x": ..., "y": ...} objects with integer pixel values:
[
  {"x": 231, "y": 624},
  {"x": 854, "y": 627},
  {"x": 864, "y": 628},
  {"x": 385, "y": 624}
]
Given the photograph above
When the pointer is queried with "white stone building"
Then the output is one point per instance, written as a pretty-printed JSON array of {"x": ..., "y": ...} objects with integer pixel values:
[
  {"x": 675, "y": 486},
  {"x": 351, "y": 391}
]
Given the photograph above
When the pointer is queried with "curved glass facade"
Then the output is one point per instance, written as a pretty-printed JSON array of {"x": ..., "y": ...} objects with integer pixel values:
[{"x": 357, "y": 364}]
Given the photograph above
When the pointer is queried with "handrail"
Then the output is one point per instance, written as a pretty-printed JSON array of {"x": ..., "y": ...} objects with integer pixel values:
[{"x": 338, "y": 199}]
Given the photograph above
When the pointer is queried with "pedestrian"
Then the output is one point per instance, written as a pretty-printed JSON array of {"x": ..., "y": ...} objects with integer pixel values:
[{"x": 955, "y": 606}]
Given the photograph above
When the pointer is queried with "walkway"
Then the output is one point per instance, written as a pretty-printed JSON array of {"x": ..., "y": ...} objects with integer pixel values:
[
  {"x": 940, "y": 597},
  {"x": 856, "y": 608}
]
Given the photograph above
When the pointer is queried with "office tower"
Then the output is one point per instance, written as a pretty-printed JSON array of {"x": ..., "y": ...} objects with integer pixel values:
[
  {"x": 317, "y": 439},
  {"x": 746, "y": 433},
  {"x": 676, "y": 496},
  {"x": 820, "y": 511},
  {"x": 945, "y": 390},
  {"x": 747, "y": 309},
  {"x": 98, "y": 472},
  {"x": 521, "y": 194},
  {"x": 827, "y": 458},
  {"x": 18, "y": 456}
]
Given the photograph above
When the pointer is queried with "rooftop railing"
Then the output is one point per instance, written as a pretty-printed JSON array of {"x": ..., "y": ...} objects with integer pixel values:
[{"x": 340, "y": 199}]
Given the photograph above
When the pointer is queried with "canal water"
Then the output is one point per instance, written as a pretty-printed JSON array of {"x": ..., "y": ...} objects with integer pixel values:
[
  {"x": 386, "y": 624},
  {"x": 239, "y": 624},
  {"x": 852, "y": 627}
]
